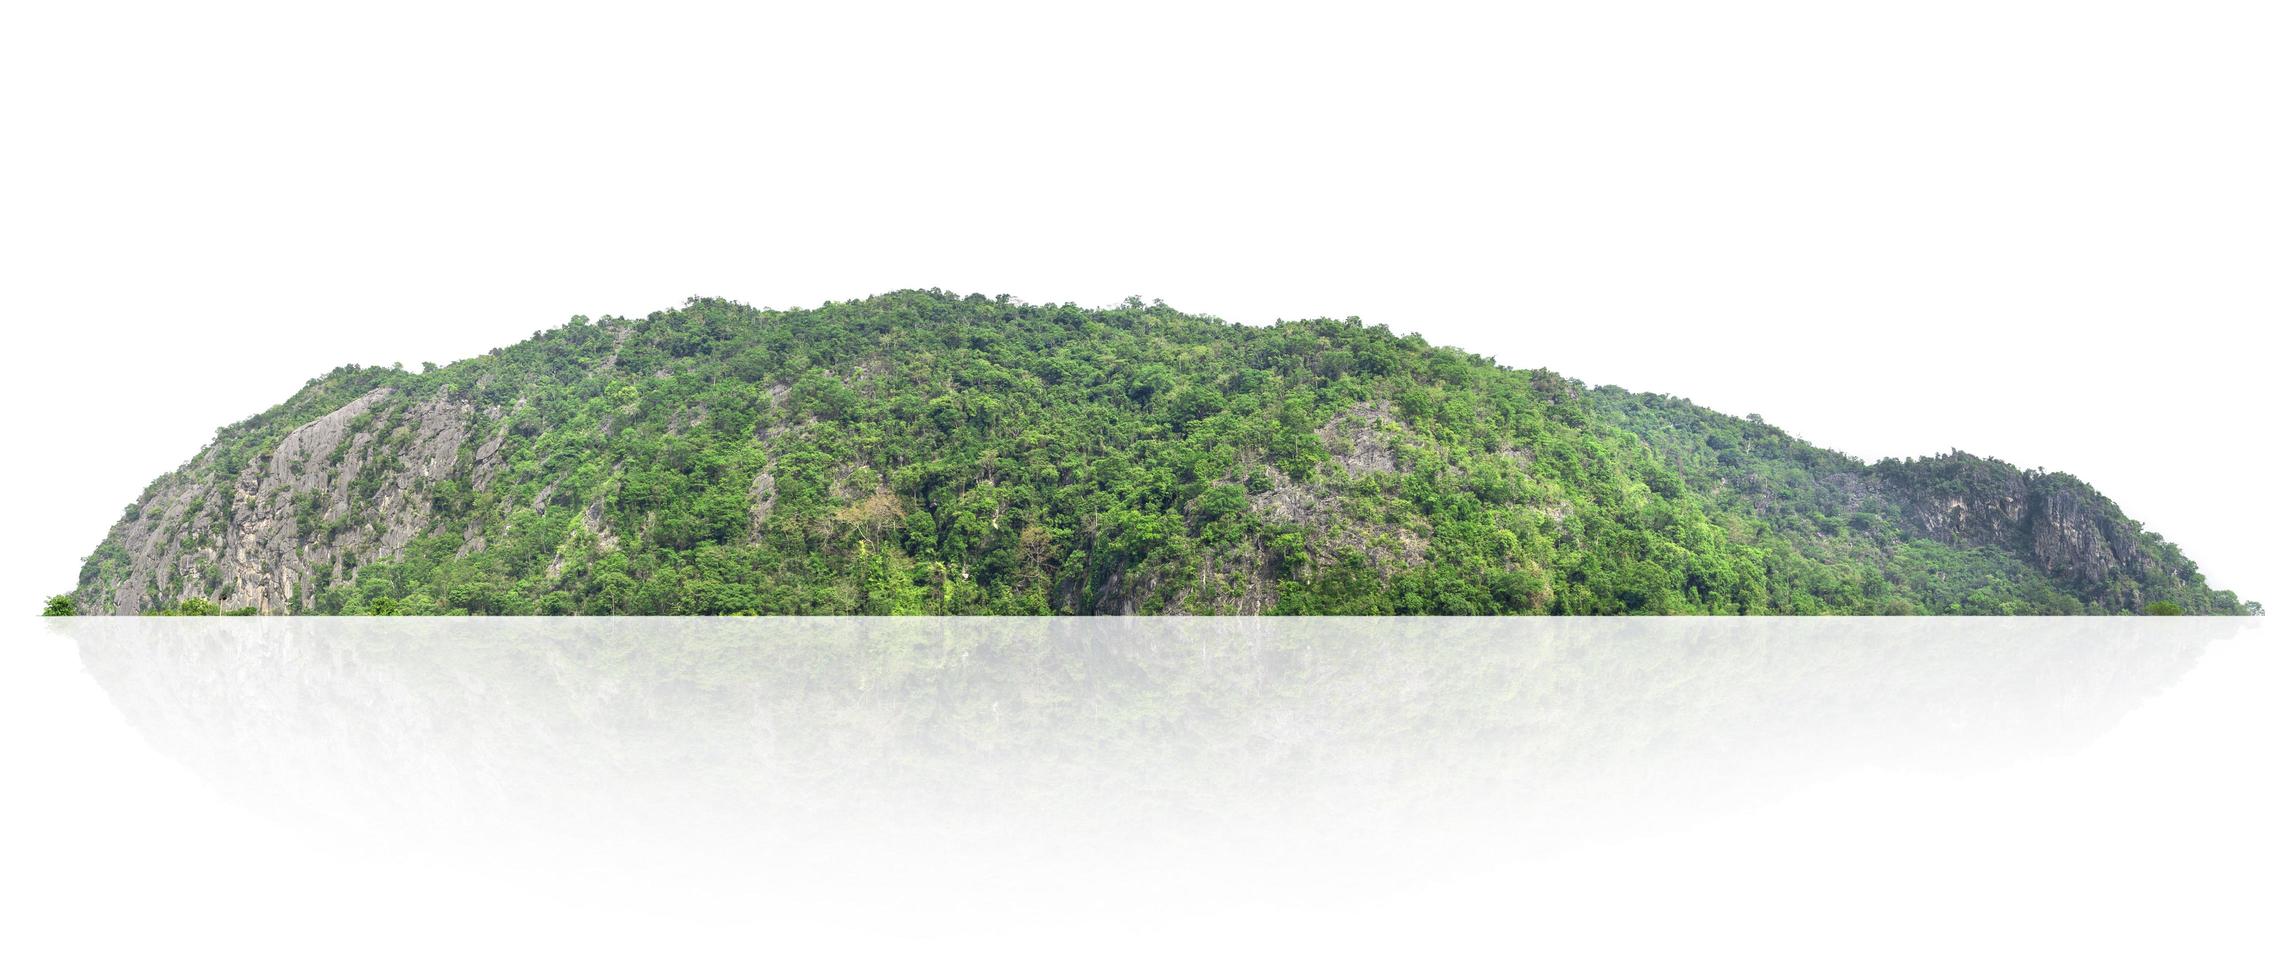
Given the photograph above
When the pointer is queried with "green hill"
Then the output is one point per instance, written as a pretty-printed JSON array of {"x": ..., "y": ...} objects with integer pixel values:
[{"x": 921, "y": 452}]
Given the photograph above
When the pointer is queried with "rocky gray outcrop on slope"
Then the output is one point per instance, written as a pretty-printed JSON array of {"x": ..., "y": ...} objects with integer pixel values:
[{"x": 354, "y": 485}]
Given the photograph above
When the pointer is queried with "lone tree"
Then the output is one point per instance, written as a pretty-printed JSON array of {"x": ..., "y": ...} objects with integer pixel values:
[{"x": 60, "y": 605}]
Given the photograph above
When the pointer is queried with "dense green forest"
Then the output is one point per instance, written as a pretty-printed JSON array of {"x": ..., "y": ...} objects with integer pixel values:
[{"x": 922, "y": 452}]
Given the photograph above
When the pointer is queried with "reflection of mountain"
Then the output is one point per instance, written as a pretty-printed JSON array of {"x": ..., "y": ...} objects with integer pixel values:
[{"x": 1040, "y": 733}]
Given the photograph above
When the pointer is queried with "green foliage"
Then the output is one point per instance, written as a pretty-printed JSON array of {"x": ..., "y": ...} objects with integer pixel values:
[
  {"x": 1953, "y": 534},
  {"x": 921, "y": 452},
  {"x": 60, "y": 605},
  {"x": 192, "y": 606}
]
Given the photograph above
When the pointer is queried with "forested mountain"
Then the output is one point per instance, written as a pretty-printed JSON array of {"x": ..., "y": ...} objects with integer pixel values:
[{"x": 921, "y": 452}]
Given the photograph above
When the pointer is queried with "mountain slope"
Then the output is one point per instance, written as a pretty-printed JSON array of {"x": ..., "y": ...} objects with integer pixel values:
[{"x": 923, "y": 452}]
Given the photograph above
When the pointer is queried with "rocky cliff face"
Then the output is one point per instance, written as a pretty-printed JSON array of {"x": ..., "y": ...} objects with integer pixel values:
[
  {"x": 2056, "y": 523},
  {"x": 2036, "y": 531},
  {"x": 353, "y": 486}
]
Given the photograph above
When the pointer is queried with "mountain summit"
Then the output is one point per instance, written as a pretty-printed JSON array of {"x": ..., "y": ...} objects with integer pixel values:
[{"x": 921, "y": 452}]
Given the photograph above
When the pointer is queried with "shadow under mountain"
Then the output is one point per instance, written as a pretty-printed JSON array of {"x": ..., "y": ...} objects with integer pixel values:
[{"x": 1147, "y": 740}]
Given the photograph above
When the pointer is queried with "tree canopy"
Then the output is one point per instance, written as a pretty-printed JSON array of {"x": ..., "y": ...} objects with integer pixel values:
[{"x": 922, "y": 452}]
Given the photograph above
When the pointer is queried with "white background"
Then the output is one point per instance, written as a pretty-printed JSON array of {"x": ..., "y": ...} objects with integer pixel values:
[
  {"x": 315, "y": 808},
  {"x": 2049, "y": 232}
]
